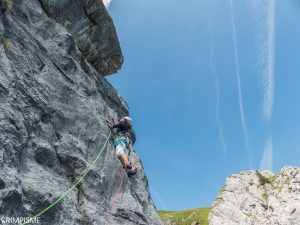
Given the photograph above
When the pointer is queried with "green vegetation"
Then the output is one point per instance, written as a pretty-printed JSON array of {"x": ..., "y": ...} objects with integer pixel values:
[
  {"x": 272, "y": 181},
  {"x": 10, "y": 5},
  {"x": 273, "y": 178},
  {"x": 185, "y": 217},
  {"x": 265, "y": 196},
  {"x": 1, "y": 6},
  {"x": 266, "y": 180},
  {"x": 287, "y": 181},
  {"x": 275, "y": 184},
  {"x": 6, "y": 44},
  {"x": 7, "y": 6},
  {"x": 279, "y": 186},
  {"x": 262, "y": 179},
  {"x": 247, "y": 214}
]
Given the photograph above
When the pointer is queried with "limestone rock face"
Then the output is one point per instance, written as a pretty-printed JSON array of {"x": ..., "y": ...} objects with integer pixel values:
[
  {"x": 259, "y": 198},
  {"x": 53, "y": 107},
  {"x": 92, "y": 30}
]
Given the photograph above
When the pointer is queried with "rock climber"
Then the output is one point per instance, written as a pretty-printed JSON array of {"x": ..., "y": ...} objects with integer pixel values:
[{"x": 123, "y": 142}]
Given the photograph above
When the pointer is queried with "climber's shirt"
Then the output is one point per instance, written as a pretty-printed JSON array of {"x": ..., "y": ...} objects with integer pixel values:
[
  {"x": 122, "y": 137},
  {"x": 125, "y": 133}
]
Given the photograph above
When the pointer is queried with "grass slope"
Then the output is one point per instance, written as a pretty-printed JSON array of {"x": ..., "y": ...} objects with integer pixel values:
[{"x": 185, "y": 217}]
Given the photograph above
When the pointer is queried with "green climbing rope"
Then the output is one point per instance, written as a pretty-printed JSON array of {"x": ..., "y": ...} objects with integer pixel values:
[{"x": 72, "y": 187}]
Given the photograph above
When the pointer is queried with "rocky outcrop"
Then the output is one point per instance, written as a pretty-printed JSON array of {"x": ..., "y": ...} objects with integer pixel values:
[
  {"x": 92, "y": 29},
  {"x": 259, "y": 198},
  {"x": 53, "y": 107}
]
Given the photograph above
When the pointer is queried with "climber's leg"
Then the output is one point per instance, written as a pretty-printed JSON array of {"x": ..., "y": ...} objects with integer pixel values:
[
  {"x": 124, "y": 158},
  {"x": 120, "y": 151},
  {"x": 127, "y": 164}
]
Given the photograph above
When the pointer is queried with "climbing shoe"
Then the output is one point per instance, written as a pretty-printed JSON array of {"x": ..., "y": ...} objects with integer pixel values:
[
  {"x": 132, "y": 172},
  {"x": 127, "y": 168}
]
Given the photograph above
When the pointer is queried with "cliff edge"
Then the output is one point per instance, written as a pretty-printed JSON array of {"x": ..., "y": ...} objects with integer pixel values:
[{"x": 54, "y": 103}]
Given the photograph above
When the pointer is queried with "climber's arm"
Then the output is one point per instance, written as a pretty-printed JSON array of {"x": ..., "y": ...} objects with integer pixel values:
[
  {"x": 115, "y": 126},
  {"x": 119, "y": 125}
]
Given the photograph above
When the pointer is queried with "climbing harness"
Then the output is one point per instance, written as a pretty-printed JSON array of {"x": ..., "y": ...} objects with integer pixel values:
[{"x": 72, "y": 187}]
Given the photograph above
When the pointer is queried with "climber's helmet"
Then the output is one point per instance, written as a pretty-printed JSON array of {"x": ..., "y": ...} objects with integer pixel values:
[{"x": 126, "y": 119}]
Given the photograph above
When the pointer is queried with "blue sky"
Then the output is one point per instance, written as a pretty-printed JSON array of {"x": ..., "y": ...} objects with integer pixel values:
[{"x": 212, "y": 88}]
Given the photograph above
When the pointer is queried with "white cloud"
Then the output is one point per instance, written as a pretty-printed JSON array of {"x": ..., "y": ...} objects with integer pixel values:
[
  {"x": 267, "y": 158},
  {"x": 107, "y": 3},
  {"x": 265, "y": 19},
  {"x": 217, "y": 93},
  {"x": 269, "y": 48},
  {"x": 237, "y": 69},
  {"x": 159, "y": 197},
  {"x": 264, "y": 12}
]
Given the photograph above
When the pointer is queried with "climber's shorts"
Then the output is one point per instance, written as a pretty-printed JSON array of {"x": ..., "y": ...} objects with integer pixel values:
[{"x": 121, "y": 149}]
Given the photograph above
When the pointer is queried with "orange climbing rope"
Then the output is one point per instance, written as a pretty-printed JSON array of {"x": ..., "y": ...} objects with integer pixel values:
[{"x": 116, "y": 198}]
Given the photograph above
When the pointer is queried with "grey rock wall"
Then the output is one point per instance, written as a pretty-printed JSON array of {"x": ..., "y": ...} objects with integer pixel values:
[
  {"x": 92, "y": 30},
  {"x": 53, "y": 107},
  {"x": 259, "y": 198}
]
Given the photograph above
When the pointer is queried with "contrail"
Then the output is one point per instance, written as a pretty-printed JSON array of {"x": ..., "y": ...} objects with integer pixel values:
[
  {"x": 268, "y": 63},
  {"x": 237, "y": 69},
  {"x": 265, "y": 15},
  {"x": 217, "y": 115},
  {"x": 107, "y": 3},
  {"x": 162, "y": 202},
  {"x": 267, "y": 158},
  {"x": 269, "y": 83}
]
